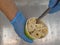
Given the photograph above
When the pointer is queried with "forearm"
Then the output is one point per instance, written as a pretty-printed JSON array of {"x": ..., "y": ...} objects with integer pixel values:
[{"x": 9, "y": 8}]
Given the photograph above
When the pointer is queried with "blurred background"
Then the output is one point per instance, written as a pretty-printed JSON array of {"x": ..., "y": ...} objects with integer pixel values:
[{"x": 30, "y": 8}]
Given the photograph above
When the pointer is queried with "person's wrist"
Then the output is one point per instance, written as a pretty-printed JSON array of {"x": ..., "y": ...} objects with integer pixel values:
[
  {"x": 19, "y": 16},
  {"x": 10, "y": 13},
  {"x": 9, "y": 8}
]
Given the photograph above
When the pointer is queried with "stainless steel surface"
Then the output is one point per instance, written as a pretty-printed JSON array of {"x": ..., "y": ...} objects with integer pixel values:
[
  {"x": 1, "y": 33},
  {"x": 8, "y": 35},
  {"x": 31, "y": 9},
  {"x": 46, "y": 11},
  {"x": 43, "y": 14}
]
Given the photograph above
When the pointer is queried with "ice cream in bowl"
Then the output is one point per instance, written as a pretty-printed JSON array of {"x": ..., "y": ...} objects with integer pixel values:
[{"x": 34, "y": 30}]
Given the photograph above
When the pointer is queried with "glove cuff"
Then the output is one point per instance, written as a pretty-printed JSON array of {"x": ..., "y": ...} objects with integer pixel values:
[{"x": 19, "y": 16}]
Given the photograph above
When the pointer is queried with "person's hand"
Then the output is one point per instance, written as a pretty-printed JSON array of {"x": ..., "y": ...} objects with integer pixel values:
[
  {"x": 9, "y": 8},
  {"x": 54, "y": 9},
  {"x": 19, "y": 23}
]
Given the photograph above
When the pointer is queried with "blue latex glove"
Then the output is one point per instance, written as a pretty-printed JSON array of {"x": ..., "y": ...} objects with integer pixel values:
[
  {"x": 51, "y": 4},
  {"x": 18, "y": 23}
]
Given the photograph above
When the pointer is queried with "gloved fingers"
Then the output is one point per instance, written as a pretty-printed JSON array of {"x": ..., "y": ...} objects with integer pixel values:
[
  {"x": 52, "y": 3},
  {"x": 19, "y": 25},
  {"x": 23, "y": 36},
  {"x": 55, "y": 9},
  {"x": 20, "y": 31}
]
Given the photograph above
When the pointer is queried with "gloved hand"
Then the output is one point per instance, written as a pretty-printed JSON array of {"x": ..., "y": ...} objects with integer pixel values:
[
  {"x": 18, "y": 23},
  {"x": 54, "y": 9}
]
